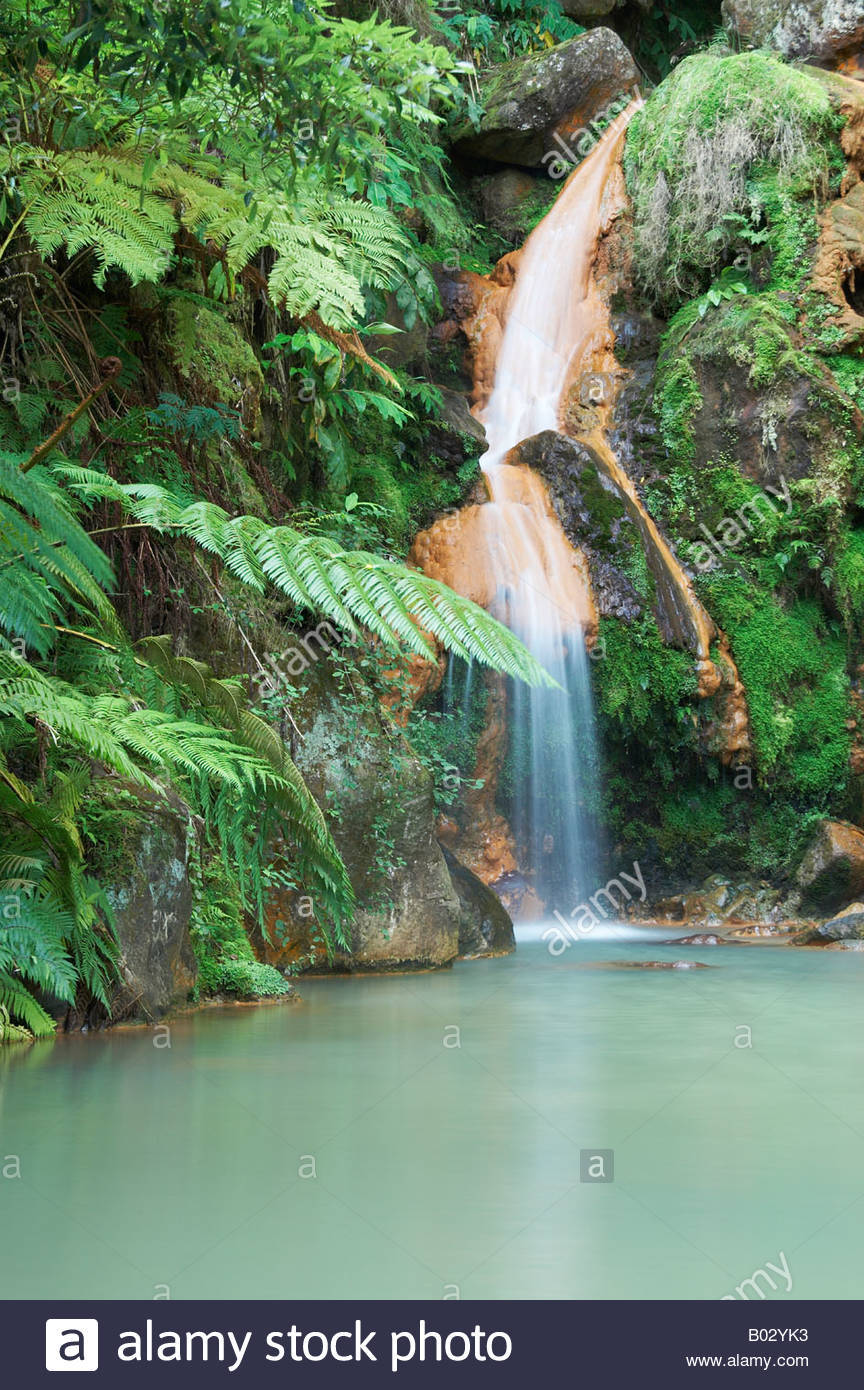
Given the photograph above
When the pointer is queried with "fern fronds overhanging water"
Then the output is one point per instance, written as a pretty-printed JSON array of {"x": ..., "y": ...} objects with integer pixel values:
[{"x": 228, "y": 765}]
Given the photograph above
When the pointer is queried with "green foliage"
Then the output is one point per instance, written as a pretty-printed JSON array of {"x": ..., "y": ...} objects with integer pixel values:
[
  {"x": 849, "y": 579},
  {"x": 151, "y": 716},
  {"x": 444, "y": 734},
  {"x": 794, "y": 670},
  {"x": 226, "y": 964},
  {"x": 54, "y": 921},
  {"x": 666, "y": 28},
  {"x": 644, "y": 688},
  {"x": 330, "y": 403},
  {"x": 493, "y": 31},
  {"x": 395, "y": 603},
  {"x": 248, "y": 131}
]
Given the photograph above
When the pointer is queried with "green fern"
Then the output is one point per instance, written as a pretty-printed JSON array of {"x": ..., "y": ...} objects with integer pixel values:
[
  {"x": 355, "y": 588},
  {"x": 44, "y": 552},
  {"x": 127, "y": 211}
]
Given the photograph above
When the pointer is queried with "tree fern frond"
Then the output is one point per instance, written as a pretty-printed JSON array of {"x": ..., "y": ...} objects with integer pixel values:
[{"x": 351, "y": 587}]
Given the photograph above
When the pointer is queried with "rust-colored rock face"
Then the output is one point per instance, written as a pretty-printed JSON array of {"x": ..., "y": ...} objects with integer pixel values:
[
  {"x": 838, "y": 266},
  {"x": 838, "y": 270},
  {"x": 485, "y": 843},
  {"x": 563, "y": 341}
]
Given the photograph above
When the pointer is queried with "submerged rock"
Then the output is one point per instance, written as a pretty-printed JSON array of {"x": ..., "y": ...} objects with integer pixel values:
[
  {"x": 699, "y": 939},
  {"x": 485, "y": 928},
  {"x": 555, "y": 93},
  {"x": 823, "y": 30},
  {"x": 648, "y": 964}
]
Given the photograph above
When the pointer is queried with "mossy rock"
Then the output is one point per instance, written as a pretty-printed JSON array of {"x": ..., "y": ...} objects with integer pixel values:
[
  {"x": 557, "y": 91},
  {"x": 592, "y": 515},
  {"x": 214, "y": 358},
  {"x": 820, "y": 30},
  {"x": 737, "y": 384},
  {"x": 832, "y": 870},
  {"x": 729, "y": 150},
  {"x": 378, "y": 800}
]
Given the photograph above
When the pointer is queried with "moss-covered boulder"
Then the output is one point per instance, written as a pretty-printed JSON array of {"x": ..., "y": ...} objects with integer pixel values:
[
  {"x": 740, "y": 383},
  {"x": 592, "y": 515},
  {"x": 378, "y": 799},
  {"x": 534, "y": 105},
  {"x": 213, "y": 356}
]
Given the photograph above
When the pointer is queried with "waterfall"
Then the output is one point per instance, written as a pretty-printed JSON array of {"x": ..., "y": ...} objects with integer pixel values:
[{"x": 555, "y": 326}]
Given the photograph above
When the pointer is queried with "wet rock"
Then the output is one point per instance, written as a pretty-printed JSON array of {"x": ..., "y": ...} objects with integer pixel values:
[
  {"x": 698, "y": 939},
  {"x": 485, "y": 928},
  {"x": 822, "y": 30},
  {"x": 592, "y": 514},
  {"x": 720, "y": 901},
  {"x": 648, "y": 965},
  {"x": 847, "y": 927},
  {"x": 832, "y": 870},
  {"x": 457, "y": 417},
  {"x": 838, "y": 929},
  {"x": 378, "y": 798},
  {"x": 478, "y": 833},
  {"x": 754, "y": 930},
  {"x": 556, "y": 93},
  {"x": 838, "y": 270},
  {"x": 152, "y": 904},
  {"x": 510, "y": 201}
]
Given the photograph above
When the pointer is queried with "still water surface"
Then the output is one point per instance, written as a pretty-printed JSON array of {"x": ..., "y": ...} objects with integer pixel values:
[{"x": 442, "y": 1165}]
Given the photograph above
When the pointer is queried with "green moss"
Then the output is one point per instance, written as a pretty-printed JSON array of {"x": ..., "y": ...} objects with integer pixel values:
[
  {"x": 677, "y": 398},
  {"x": 849, "y": 579},
  {"x": 641, "y": 684},
  {"x": 794, "y": 671},
  {"x": 848, "y": 372},
  {"x": 714, "y": 163},
  {"x": 212, "y": 353},
  {"x": 603, "y": 505}
]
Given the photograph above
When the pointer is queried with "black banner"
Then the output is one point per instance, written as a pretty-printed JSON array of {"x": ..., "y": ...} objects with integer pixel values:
[{"x": 499, "y": 1344}]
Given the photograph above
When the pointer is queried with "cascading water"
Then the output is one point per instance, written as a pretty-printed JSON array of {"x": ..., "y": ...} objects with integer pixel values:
[{"x": 540, "y": 587}]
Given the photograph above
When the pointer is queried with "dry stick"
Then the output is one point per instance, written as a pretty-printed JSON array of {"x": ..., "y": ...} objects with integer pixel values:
[{"x": 110, "y": 367}]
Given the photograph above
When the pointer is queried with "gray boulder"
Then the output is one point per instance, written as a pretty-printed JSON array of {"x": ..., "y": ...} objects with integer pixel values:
[
  {"x": 846, "y": 929},
  {"x": 533, "y": 103},
  {"x": 151, "y": 899},
  {"x": 822, "y": 30},
  {"x": 378, "y": 798}
]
